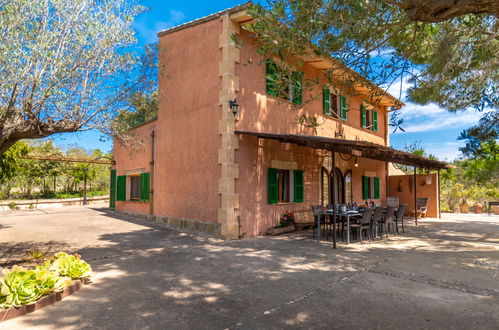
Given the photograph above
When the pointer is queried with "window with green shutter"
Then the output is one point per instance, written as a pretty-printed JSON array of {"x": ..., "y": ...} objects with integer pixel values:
[
  {"x": 363, "y": 116},
  {"x": 376, "y": 187},
  {"x": 297, "y": 89},
  {"x": 326, "y": 101},
  {"x": 298, "y": 181},
  {"x": 344, "y": 107},
  {"x": 121, "y": 188},
  {"x": 145, "y": 179},
  {"x": 273, "y": 186},
  {"x": 365, "y": 187},
  {"x": 112, "y": 190},
  {"x": 375, "y": 120}
]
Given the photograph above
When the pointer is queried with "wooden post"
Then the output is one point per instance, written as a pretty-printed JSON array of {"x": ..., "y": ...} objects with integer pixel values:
[
  {"x": 333, "y": 175},
  {"x": 415, "y": 196},
  {"x": 439, "y": 208}
]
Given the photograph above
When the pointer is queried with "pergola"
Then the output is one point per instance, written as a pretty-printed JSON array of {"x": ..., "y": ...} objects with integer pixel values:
[{"x": 358, "y": 148}]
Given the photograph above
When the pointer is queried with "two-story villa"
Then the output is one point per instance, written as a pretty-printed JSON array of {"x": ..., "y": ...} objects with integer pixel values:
[{"x": 205, "y": 168}]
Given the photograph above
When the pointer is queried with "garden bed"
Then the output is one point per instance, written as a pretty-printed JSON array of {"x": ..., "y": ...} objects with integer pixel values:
[
  {"x": 43, "y": 281},
  {"x": 53, "y": 297}
]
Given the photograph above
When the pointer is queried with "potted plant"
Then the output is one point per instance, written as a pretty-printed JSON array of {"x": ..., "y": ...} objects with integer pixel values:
[
  {"x": 286, "y": 225},
  {"x": 478, "y": 208},
  {"x": 463, "y": 205}
]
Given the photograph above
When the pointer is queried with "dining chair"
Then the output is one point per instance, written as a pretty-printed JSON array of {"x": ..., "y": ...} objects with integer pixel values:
[
  {"x": 376, "y": 222},
  {"x": 364, "y": 224},
  {"x": 400, "y": 217},
  {"x": 387, "y": 222},
  {"x": 316, "y": 210}
]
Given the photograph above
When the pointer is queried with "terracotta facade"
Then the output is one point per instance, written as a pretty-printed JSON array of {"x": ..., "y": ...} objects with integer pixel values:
[{"x": 201, "y": 170}]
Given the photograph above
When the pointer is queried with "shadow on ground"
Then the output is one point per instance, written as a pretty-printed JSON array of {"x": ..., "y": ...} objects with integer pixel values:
[{"x": 151, "y": 277}]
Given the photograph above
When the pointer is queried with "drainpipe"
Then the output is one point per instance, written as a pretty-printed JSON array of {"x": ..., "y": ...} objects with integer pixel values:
[
  {"x": 415, "y": 196},
  {"x": 151, "y": 188},
  {"x": 334, "y": 195}
]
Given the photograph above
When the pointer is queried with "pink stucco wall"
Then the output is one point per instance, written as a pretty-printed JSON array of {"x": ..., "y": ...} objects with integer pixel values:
[
  {"x": 189, "y": 84},
  {"x": 402, "y": 186},
  {"x": 136, "y": 156},
  {"x": 186, "y": 167}
]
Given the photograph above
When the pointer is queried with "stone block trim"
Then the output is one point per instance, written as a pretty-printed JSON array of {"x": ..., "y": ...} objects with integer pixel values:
[
  {"x": 229, "y": 170},
  {"x": 176, "y": 223}
]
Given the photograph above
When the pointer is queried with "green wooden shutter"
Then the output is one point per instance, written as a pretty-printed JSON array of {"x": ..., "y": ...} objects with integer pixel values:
[
  {"x": 297, "y": 81},
  {"x": 299, "y": 195},
  {"x": 273, "y": 183},
  {"x": 343, "y": 103},
  {"x": 121, "y": 188},
  {"x": 365, "y": 187},
  {"x": 145, "y": 179},
  {"x": 376, "y": 187},
  {"x": 326, "y": 101},
  {"x": 363, "y": 115},
  {"x": 375, "y": 121},
  {"x": 112, "y": 190},
  {"x": 270, "y": 78}
]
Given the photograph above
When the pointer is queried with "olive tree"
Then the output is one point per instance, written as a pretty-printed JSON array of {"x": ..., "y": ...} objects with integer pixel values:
[{"x": 64, "y": 65}]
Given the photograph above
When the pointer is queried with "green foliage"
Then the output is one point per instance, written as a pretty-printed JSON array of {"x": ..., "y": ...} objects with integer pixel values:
[
  {"x": 52, "y": 179},
  {"x": 9, "y": 162},
  {"x": 69, "y": 65},
  {"x": 481, "y": 139},
  {"x": 71, "y": 266},
  {"x": 452, "y": 62}
]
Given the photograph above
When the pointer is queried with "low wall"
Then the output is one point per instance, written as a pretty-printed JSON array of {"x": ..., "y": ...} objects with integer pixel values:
[
  {"x": 48, "y": 203},
  {"x": 402, "y": 186}
]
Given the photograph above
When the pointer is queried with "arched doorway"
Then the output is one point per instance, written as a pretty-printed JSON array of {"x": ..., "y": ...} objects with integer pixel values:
[
  {"x": 348, "y": 187},
  {"x": 338, "y": 184}
]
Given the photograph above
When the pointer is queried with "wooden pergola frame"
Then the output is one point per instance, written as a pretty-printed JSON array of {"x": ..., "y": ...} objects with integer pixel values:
[{"x": 361, "y": 149}]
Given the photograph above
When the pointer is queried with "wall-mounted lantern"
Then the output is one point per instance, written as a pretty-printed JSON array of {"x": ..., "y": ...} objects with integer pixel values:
[{"x": 234, "y": 106}]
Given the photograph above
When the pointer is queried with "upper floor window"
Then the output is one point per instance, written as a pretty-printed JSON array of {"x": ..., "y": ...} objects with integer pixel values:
[
  {"x": 334, "y": 105},
  {"x": 369, "y": 118},
  {"x": 285, "y": 85}
]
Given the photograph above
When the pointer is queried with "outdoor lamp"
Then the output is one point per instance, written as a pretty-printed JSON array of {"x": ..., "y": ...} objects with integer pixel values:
[
  {"x": 234, "y": 106},
  {"x": 356, "y": 163}
]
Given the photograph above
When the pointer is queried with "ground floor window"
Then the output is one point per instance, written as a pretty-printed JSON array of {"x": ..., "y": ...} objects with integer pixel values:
[
  {"x": 370, "y": 187},
  {"x": 133, "y": 187},
  {"x": 285, "y": 186}
]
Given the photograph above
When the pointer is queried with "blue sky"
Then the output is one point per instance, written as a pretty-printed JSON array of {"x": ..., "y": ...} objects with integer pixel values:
[{"x": 436, "y": 128}]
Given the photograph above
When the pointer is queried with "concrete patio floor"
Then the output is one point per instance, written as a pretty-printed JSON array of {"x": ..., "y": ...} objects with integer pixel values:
[{"x": 443, "y": 274}]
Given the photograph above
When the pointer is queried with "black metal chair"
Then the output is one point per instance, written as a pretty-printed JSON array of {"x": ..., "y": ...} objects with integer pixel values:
[
  {"x": 387, "y": 222},
  {"x": 400, "y": 217},
  {"x": 316, "y": 210},
  {"x": 376, "y": 222},
  {"x": 364, "y": 224}
]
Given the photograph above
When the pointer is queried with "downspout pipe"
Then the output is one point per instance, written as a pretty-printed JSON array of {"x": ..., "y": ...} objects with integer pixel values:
[{"x": 151, "y": 163}]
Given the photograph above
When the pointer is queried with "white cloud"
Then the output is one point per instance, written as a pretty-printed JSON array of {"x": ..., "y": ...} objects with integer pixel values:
[
  {"x": 431, "y": 117},
  {"x": 149, "y": 33}
]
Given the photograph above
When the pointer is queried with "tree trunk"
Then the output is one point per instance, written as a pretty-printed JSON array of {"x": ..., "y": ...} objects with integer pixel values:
[{"x": 434, "y": 11}]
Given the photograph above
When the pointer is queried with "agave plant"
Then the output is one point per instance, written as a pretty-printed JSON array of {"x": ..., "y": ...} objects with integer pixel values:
[{"x": 71, "y": 266}]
